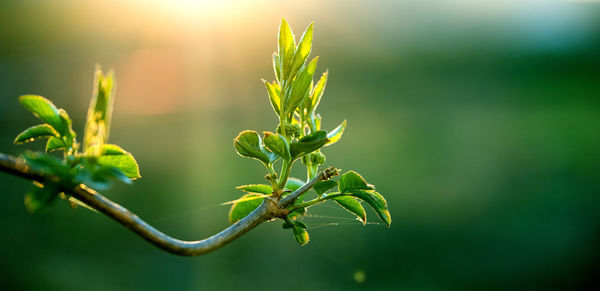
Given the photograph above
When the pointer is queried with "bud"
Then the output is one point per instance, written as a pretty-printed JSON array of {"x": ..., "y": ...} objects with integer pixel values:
[
  {"x": 292, "y": 130},
  {"x": 306, "y": 159},
  {"x": 271, "y": 177},
  {"x": 317, "y": 158}
]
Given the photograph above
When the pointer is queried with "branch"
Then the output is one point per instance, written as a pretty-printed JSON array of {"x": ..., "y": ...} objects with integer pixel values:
[
  {"x": 324, "y": 175},
  {"x": 269, "y": 209}
]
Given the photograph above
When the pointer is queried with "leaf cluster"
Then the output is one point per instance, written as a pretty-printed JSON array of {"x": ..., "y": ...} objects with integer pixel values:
[
  {"x": 95, "y": 164},
  {"x": 295, "y": 96}
]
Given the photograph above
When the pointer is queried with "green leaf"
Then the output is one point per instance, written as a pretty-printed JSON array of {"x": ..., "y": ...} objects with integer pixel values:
[
  {"x": 244, "y": 206},
  {"x": 296, "y": 214},
  {"x": 125, "y": 163},
  {"x": 376, "y": 201},
  {"x": 277, "y": 66},
  {"x": 300, "y": 233},
  {"x": 43, "y": 109},
  {"x": 248, "y": 144},
  {"x": 69, "y": 135},
  {"x": 336, "y": 133},
  {"x": 301, "y": 86},
  {"x": 317, "y": 120},
  {"x": 114, "y": 156},
  {"x": 303, "y": 50},
  {"x": 317, "y": 92},
  {"x": 34, "y": 132},
  {"x": 286, "y": 48},
  {"x": 97, "y": 127},
  {"x": 100, "y": 177},
  {"x": 54, "y": 144},
  {"x": 277, "y": 144},
  {"x": 351, "y": 181},
  {"x": 256, "y": 188},
  {"x": 353, "y": 206},
  {"x": 40, "y": 196},
  {"x": 287, "y": 225},
  {"x": 274, "y": 95},
  {"x": 112, "y": 149},
  {"x": 47, "y": 164},
  {"x": 324, "y": 186},
  {"x": 308, "y": 144}
]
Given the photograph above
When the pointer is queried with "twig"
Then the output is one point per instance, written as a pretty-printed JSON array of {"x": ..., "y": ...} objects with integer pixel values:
[
  {"x": 324, "y": 175},
  {"x": 269, "y": 209}
]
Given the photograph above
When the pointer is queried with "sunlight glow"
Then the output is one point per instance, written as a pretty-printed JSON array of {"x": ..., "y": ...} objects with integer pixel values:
[{"x": 194, "y": 9}]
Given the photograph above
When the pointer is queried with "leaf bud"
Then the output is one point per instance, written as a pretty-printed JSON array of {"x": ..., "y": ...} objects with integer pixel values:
[
  {"x": 292, "y": 130},
  {"x": 317, "y": 158}
]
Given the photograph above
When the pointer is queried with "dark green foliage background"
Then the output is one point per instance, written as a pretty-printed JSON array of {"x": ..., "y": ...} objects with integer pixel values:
[{"x": 481, "y": 131}]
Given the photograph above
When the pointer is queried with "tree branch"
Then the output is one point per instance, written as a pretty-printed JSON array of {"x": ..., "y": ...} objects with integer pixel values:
[
  {"x": 324, "y": 175},
  {"x": 266, "y": 211}
]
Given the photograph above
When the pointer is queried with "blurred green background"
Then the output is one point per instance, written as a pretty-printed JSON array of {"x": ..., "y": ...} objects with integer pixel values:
[{"x": 478, "y": 120}]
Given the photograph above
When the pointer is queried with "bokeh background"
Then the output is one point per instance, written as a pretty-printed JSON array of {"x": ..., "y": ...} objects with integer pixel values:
[{"x": 478, "y": 120}]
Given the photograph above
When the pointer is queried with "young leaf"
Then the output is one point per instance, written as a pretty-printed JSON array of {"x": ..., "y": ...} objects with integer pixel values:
[
  {"x": 376, "y": 201},
  {"x": 286, "y": 48},
  {"x": 296, "y": 214},
  {"x": 125, "y": 163},
  {"x": 248, "y": 144},
  {"x": 40, "y": 196},
  {"x": 47, "y": 164},
  {"x": 324, "y": 186},
  {"x": 300, "y": 233},
  {"x": 43, "y": 109},
  {"x": 114, "y": 173},
  {"x": 317, "y": 120},
  {"x": 114, "y": 156},
  {"x": 243, "y": 207},
  {"x": 301, "y": 86},
  {"x": 277, "y": 67},
  {"x": 317, "y": 92},
  {"x": 256, "y": 188},
  {"x": 69, "y": 135},
  {"x": 308, "y": 144},
  {"x": 112, "y": 149},
  {"x": 54, "y": 144},
  {"x": 353, "y": 206},
  {"x": 336, "y": 134},
  {"x": 99, "y": 114},
  {"x": 303, "y": 50},
  {"x": 34, "y": 132},
  {"x": 274, "y": 95},
  {"x": 351, "y": 181},
  {"x": 277, "y": 144},
  {"x": 100, "y": 177}
]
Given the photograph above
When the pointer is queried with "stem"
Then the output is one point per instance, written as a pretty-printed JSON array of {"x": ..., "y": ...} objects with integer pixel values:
[
  {"x": 324, "y": 175},
  {"x": 313, "y": 202},
  {"x": 305, "y": 204},
  {"x": 273, "y": 180},
  {"x": 286, "y": 167},
  {"x": 266, "y": 211}
]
